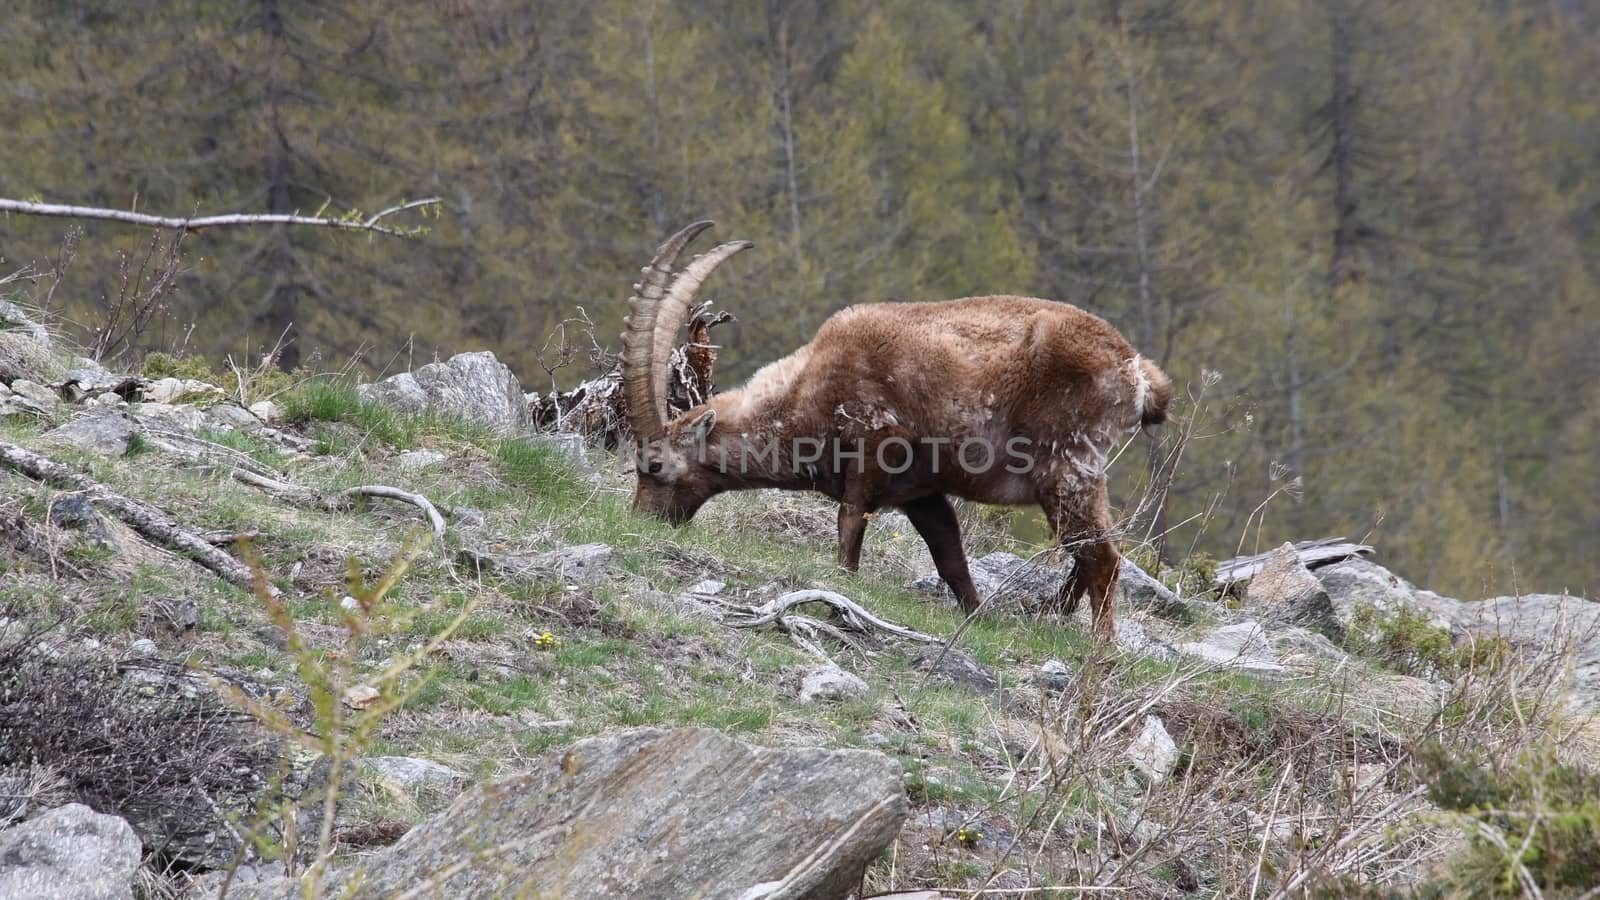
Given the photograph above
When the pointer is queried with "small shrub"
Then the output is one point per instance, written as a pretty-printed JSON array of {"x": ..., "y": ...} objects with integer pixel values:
[
  {"x": 348, "y": 704},
  {"x": 1534, "y": 822},
  {"x": 1408, "y": 641},
  {"x": 152, "y": 749},
  {"x": 167, "y": 365}
]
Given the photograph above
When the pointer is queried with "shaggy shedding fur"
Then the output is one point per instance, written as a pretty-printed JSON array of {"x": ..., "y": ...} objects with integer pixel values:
[{"x": 1046, "y": 387}]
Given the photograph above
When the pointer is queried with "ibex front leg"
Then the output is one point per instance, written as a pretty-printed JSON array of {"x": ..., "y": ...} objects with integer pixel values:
[
  {"x": 852, "y": 530},
  {"x": 1080, "y": 516},
  {"x": 935, "y": 519}
]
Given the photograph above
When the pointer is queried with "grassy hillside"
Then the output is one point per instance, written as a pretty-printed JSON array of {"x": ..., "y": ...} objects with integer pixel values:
[{"x": 1339, "y": 773}]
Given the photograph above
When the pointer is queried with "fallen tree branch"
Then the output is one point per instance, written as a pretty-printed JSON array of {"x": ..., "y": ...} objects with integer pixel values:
[
  {"x": 854, "y": 616},
  {"x": 230, "y": 220},
  {"x": 341, "y": 501},
  {"x": 392, "y": 493},
  {"x": 149, "y": 521}
]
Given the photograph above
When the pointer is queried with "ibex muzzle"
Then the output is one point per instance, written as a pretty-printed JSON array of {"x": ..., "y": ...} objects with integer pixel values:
[{"x": 1007, "y": 400}]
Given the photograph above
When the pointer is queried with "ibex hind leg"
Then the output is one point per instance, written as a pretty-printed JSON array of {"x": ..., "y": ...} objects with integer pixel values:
[{"x": 1081, "y": 520}]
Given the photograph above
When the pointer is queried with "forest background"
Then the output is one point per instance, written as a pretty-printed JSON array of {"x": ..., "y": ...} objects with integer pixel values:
[{"x": 1363, "y": 233}]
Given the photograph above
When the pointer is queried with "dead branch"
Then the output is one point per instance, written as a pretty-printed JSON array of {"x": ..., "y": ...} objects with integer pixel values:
[
  {"x": 392, "y": 493},
  {"x": 149, "y": 521},
  {"x": 230, "y": 220},
  {"x": 597, "y": 408},
  {"x": 1312, "y": 553},
  {"x": 851, "y": 614},
  {"x": 339, "y": 502}
]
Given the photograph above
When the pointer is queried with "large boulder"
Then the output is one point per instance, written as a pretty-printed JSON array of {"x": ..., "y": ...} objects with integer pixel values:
[
  {"x": 69, "y": 853},
  {"x": 1357, "y": 583},
  {"x": 1009, "y": 579},
  {"x": 647, "y": 813},
  {"x": 474, "y": 386},
  {"x": 104, "y": 433},
  {"x": 1546, "y": 621},
  {"x": 1285, "y": 592}
]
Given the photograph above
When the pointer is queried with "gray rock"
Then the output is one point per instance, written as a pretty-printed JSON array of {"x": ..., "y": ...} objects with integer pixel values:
[
  {"x": 105, "y": 401},
  {"x": 143, "y": 648},
  {"x": 267, "y": 411},
  {"x": 35, "y": 392},
  {"x": 1133, "y": 637},
  {"x": 185, "y": 416},
  {"x": 13, "y": 405},
  {"x": 409, "y": 772},
  {"x": 1153, "y": 752},
  {"x": 577, "y": 564},
  {"x": 572, "y": 447},
  {"x": 1009, "y": 578},
  {"x": 15, "y": 318},
  {"x": 69, "y": 853},
  {"x": 948, "y": 665},
  {"x": 1305, "y": 649},
  {"x": 1285, "y": 592},
  {"x": 475, "y": 386},
  {"x": 233, "y": 417},
  {"x": 180, "y": 390},
  {"x": 1054, "y": 675},
  {"x": 1005, "y": 577},
  {"x": 102, "y": 433},
  {"x": 830, "y": 683},
  {"x": 1241, "y": 647},
  {"x": 411, "y": 460},
  {"x": 710, "y": 587},
  {"x": 76, "y": 512},
  {"x": 1357, "y": 583},
  {"x": 648, "y": 813},
  {"x": 21, "y": 357},
  {"x": 1138, "y": 589},
  {"x": 1546, "y": 622}
]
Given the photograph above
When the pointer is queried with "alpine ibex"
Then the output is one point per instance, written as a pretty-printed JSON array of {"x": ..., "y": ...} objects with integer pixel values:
[{"x": 1007, "y": 400}]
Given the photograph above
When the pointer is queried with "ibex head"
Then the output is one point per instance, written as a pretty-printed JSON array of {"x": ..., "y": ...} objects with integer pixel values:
[{"x": 673, "y": 480}]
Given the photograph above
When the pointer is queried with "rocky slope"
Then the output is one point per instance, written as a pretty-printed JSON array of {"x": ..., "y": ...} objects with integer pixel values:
[{"x": 555, "y": 696}]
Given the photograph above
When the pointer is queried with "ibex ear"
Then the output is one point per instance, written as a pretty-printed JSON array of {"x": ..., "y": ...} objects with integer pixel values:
[{"x": 700, "y": 427}]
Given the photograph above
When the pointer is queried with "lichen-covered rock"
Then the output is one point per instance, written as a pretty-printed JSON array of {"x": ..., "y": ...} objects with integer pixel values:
[
  {"x": 23, "y": 357},
  {"x": 104, "y": 433},
  {"x": 474, "y": 386},
  {"x": 180, "y": 390},
  {"x": 648, "y": 813},
  {"x": 409, "y": 772},
  {"x": 14, "y": 318},
  {"x": 40, "y": 396},
  {"x": 1153, "y": 751},
  {"x": 69, "y": 853}
]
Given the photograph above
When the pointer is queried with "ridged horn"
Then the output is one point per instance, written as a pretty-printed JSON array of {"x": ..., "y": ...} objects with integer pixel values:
[
  {"x": 646, "y": 406},
  {"x": 672, "y": 313}
]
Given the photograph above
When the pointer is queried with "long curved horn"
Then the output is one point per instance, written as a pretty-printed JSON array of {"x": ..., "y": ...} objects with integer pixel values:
[
  {"x": 672, "y": 313},
  {"x": 646, "y": 407}
]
